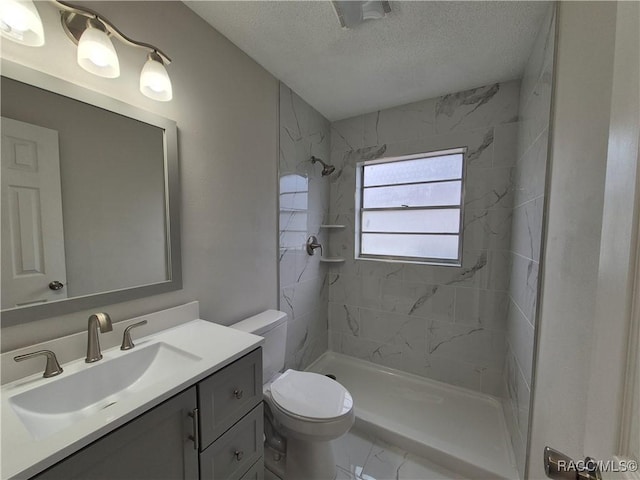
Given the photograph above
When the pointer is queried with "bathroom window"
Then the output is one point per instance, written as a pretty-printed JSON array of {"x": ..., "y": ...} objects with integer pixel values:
[{"x": 410, "y": 208}]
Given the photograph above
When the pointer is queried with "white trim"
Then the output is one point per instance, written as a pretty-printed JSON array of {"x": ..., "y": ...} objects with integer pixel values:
[
  {"x": 607, "y": 387},
  {"x": 630, "y": 421}
]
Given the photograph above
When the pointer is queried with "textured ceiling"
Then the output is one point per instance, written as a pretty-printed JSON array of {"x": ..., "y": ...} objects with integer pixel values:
[{"x": 420, "y": 50}]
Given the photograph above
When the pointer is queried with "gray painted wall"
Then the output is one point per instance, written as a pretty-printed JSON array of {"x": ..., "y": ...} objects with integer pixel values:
[{"x": 225, "y": 106}]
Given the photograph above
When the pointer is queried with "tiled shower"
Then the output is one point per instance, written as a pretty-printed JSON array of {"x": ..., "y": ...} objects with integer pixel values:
[
  {"x": 529, "y": 174},
  {"x": 471, "y": 326},
  {"x": 304, "y": 206},
  {"x": 446, "y": 323}
]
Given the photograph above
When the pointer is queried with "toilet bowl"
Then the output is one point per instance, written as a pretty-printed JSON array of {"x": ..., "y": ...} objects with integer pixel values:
[
  {"x": 310, "y": 406},
  {"x": 304, "y": 411},
  {"x": 310, "y": 410}
]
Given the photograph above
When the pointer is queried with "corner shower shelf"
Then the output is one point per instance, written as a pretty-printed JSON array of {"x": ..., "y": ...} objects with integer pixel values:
[
  {"x": 331, "y": 259},
  {"x": 335, "y": 226},
  {"x": 331, "y": 227}
]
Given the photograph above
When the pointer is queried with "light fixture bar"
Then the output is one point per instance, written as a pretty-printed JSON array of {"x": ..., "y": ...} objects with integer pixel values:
[{"x": 74, "y": 20}]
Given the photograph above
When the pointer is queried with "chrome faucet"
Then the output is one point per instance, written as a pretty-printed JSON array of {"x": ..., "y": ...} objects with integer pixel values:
[{"x": 103, "y": 322}]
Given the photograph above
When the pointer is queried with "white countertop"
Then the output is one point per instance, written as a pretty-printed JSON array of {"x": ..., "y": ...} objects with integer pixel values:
[{"x": 23, "y": 456}]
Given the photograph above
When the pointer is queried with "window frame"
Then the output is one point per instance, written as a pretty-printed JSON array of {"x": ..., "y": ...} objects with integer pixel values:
[{"x": 359, "y": 193}]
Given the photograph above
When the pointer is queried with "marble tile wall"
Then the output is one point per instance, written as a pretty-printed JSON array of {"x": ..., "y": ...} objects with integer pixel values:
[
  {"x": 526, "y": 235},
  {"x": 304, "y": 205},
  {"x": 447, "y": 323}
]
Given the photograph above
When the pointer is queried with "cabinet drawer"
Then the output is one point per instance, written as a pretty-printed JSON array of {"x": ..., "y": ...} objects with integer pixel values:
[
  {"x": 256, "y": 472},
  {"x": 229, "y": 394},
  {"x": 231, "y": 455}
]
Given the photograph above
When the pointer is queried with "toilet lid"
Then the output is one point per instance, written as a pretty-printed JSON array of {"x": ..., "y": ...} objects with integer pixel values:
[{"x": 311, "y": 395}]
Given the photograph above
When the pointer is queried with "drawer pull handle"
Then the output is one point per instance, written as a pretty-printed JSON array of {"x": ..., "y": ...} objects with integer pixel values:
[
  {"x": 238, "y": 393},
  {"x": 238, "y": 454},
  {"x": 196, "y": 428}
]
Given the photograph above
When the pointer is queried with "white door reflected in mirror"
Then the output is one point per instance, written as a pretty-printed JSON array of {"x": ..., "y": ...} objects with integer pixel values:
[{"x": 33, "y": 235}]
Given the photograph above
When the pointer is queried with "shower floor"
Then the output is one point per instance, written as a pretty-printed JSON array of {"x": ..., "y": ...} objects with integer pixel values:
[{"x": 461, "y": 430}]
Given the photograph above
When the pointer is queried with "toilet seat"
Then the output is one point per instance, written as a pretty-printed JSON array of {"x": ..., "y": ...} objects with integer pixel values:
[{"x": 311, "y": 397}]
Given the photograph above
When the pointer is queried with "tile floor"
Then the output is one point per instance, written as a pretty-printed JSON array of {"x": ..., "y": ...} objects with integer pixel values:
[{"x": 362, "y": 457}]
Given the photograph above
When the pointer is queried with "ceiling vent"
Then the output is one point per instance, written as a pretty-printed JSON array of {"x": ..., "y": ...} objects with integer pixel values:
[{"x": 353, "y": 13}]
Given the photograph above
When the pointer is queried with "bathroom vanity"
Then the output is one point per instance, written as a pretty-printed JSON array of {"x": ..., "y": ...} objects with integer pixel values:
[
  {"x": 222, "y": 438},
  {"x": 186, "y": 402}
]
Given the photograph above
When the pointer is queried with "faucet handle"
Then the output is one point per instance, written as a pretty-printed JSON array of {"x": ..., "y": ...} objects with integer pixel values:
[
  {"x": 52, "y": 368},
  {"x": 127, "y": 343},
  {"x": 312, "y": 244}
]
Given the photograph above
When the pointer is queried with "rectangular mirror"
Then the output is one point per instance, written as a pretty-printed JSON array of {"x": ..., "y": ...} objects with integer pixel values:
[{"x": 90, "y": 191}]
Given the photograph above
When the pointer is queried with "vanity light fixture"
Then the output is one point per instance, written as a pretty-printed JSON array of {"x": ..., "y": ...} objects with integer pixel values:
[
  {"x": 99, "y": 57},
  {"x": 20, "y": 22}
]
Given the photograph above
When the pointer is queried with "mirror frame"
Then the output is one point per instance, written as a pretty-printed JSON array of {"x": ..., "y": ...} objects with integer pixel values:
[{"x": 172, "y": 199}]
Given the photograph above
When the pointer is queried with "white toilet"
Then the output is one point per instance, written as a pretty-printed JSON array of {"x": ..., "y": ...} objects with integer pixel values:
[{"x": 304, "y": 411}]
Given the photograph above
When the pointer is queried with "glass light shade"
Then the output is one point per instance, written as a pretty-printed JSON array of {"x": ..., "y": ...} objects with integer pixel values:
[
  {"x": 97, "y": 55},
  {"x": 154, "y": 80},
  {"x": 20, "y": 22}
]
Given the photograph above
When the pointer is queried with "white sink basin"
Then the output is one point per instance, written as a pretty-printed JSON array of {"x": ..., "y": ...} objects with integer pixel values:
[
  {"x": 44, "y": 420},
  {"x": 65, "y": 400}
]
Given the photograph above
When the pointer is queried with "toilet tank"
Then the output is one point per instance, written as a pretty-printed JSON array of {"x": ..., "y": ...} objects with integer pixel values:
[{"x": 272, "y": 325}]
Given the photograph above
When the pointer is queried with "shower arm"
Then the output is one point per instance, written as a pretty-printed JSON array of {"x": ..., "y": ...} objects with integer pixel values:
[{"x": 316, "y": 159}]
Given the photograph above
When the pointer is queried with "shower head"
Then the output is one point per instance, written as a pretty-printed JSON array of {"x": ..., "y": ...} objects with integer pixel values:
[{"x": 326, "y": 169}]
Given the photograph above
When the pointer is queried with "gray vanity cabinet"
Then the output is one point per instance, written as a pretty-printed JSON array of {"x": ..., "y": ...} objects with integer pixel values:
[
  {"x": 159, "y": 444},
  {"x": 230, "y": 456},
  {"x": 224, "y": 398},
  {"x": 154, "y": 446},
  {"x": 231, "y": 420}
]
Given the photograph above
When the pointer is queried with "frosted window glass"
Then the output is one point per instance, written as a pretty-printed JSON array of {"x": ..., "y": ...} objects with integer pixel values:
[
  {"x": 419, "y": 221},
  {"x": 421, "y": 246},
  {"x": 446, "y": 167},
  {"x": 422, "y": 195},
  {"x": 411, "y": 208},
  {"x": 295, "y": 240},
  {"x": 293, "y": 183},
  {"x": 293, "y": 221},
  {"x": 294, "y": 201}
]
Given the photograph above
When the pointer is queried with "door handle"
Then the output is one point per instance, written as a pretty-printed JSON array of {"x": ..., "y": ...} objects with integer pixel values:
[
  {"x": 559, "y": 466},
  {"x": 195, "y": 417},
  {"x": 56, "y": 285}
]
